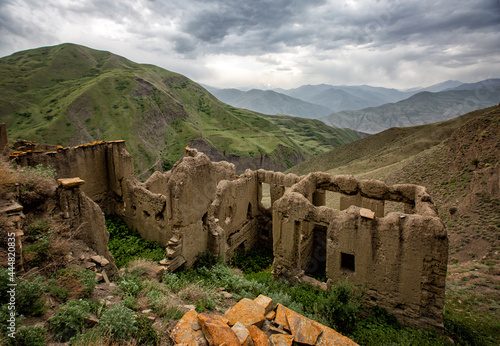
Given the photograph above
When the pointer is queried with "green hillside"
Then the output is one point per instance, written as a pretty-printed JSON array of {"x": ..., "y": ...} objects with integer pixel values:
[{"x": 70, "y": 94}]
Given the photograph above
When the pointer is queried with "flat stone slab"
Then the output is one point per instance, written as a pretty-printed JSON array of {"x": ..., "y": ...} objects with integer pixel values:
[
  {"x": 217, "y": 331},
  {"x": 367, "y": 213},
  {"x": 69, "y": 183},
  {"x": 258, "y": 336},
  {"x": 247, "y": 312}
]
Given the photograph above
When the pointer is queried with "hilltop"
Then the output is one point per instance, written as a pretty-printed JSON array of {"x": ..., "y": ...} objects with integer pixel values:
[{"x": 70, "y": 94}]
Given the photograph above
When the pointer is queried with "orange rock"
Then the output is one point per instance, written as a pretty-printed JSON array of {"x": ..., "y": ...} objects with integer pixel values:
[
  {"x": 247, "y": 312},
  {"x": 281, "y": 340},
  {"x": 258, "y": 336},
  {"x": 271, "y": 315},
  {"x": 330, "y": 337},
  {"x": 243, "y": 334},
  {"x": 281, "y": 316},
  {"x": 188, "y": 330},
  {"x": 70, "y": 182},
  {"x": 216, "y": 330},
  {"x": 302, "y": 328},
  {"x": 266, "y": 302}
]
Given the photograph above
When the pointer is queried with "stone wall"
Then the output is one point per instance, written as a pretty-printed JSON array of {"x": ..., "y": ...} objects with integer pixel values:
[{"x": 200, "y": 205}]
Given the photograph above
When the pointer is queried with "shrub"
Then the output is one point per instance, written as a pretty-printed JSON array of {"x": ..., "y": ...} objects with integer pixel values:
[
  {"x": 32, "y": 336},
  {"x": 119, "y": 322},
  {"x": 29, "y": 296},
  {"x": 70, "y": 319},
  {"x": 253, "y": 260},
  {"x": 130, "y": 284},
  {"x": 79, "y": 281},
  {"x": 205, "y": 259},
  {"x": 37, "y": 229},
  {"x": 37, "y": 253},
  {"x": 146, "y": 334},
  {"x": 126, "y": 245},
  {"x": 341, "y": 307}
]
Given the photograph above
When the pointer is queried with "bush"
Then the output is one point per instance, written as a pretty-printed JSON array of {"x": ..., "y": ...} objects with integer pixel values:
[
  {"x": 80, "y": 282},
  {"x": 37, "y": 253},
  {"x": 205, "y": 259},
  {"x": 37, "y": 229},
  {"x": 253, "y": 260},
  {"x": 32, "y": 336},
  {"x": 29, "y": 296},
  {"x": 146, "y": 334},
  {"x": 126, "y": 245},
  {"x": 130, "y": 284},
  {"x": 70, "y": 319},
  {"x": 119, "y": 322},
  {"x": 341, "y": 308}
]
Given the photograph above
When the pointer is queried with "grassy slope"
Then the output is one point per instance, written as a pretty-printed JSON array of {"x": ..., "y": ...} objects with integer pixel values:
[
  {"x": 70, "y": 94},
  {"x": 443, "y": 157}
]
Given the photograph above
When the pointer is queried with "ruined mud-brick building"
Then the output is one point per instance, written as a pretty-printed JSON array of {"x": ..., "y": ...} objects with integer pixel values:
[{"x": 399, "y": 257}]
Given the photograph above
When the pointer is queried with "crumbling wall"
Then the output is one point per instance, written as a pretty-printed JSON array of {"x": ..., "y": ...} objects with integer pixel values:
[
  {"x": 200, "y": 205},
  {"x": 103, "y": 165},
  {"x": 401, "y": 258}
]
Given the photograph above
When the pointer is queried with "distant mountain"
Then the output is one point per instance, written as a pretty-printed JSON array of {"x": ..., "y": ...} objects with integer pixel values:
[
  {"x": 422, "y": 108},
  {"x": 271, "y": 102},
  {"x": 449, "y": 84},
  {"x": 70, "y": 94}
]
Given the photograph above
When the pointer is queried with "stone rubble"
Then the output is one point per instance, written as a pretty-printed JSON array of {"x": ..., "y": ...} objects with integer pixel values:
[{"x": 245, "y": 324}]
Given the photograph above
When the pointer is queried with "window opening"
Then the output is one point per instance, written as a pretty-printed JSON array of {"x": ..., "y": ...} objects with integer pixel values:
[{"x": 347, "y": 262}]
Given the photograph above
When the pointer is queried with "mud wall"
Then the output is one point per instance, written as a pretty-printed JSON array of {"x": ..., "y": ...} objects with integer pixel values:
[{"x": 401, "y": 258}]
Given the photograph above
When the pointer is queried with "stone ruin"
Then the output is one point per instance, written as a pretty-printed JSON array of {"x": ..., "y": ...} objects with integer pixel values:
[{"x": 400, "y": 258}]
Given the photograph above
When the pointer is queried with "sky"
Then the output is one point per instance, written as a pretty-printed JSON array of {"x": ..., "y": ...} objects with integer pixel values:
[{"x": 274, "y": 43}]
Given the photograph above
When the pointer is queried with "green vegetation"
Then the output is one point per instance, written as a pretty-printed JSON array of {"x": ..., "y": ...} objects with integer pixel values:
[
  {"x": 54, "y": 94},
  {"x": 126, "y": 245}
]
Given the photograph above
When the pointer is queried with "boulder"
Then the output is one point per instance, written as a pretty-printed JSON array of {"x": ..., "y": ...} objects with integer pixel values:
[
  {"x": 188, "y": 330},
  {"x": 247, "y": 312},
  {"x": 217, "y": 331},
  {"x": 258, "y": 336},
  {"x": 243, "y": 334},
  {"x": 281, "y": 340},
  {"x": 265, "y": 302}
]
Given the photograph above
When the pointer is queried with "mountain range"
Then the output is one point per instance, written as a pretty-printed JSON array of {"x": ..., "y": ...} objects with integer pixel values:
[
  {"x": 70, "y": 94},
  {"x": 370, "y": 109}
]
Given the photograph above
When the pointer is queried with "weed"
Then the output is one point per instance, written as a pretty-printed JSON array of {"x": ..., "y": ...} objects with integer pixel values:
[
  {"x": 31, "y": 335},
  {"x": 130, "y": 284},
  {"x": 29, "y": 296},
  {"x": 70, "y": 319},
  {"x": 126, "y": 245},
  {"x": 118, "y": 321},
  {"x": 36, "y": 230},
  {"x": 146, "y": 334},
  {"x": 253, "y": 260},
  {"x": 79, "y": 281},
  {"x": 37, "y": 253}
]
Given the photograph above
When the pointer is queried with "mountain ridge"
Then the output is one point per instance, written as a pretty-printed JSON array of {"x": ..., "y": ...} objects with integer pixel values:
[{"x": 70, "y": 94}]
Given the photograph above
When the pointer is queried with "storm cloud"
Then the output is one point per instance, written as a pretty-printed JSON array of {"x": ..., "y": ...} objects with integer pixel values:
[{"x": 283, "y": 43}]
